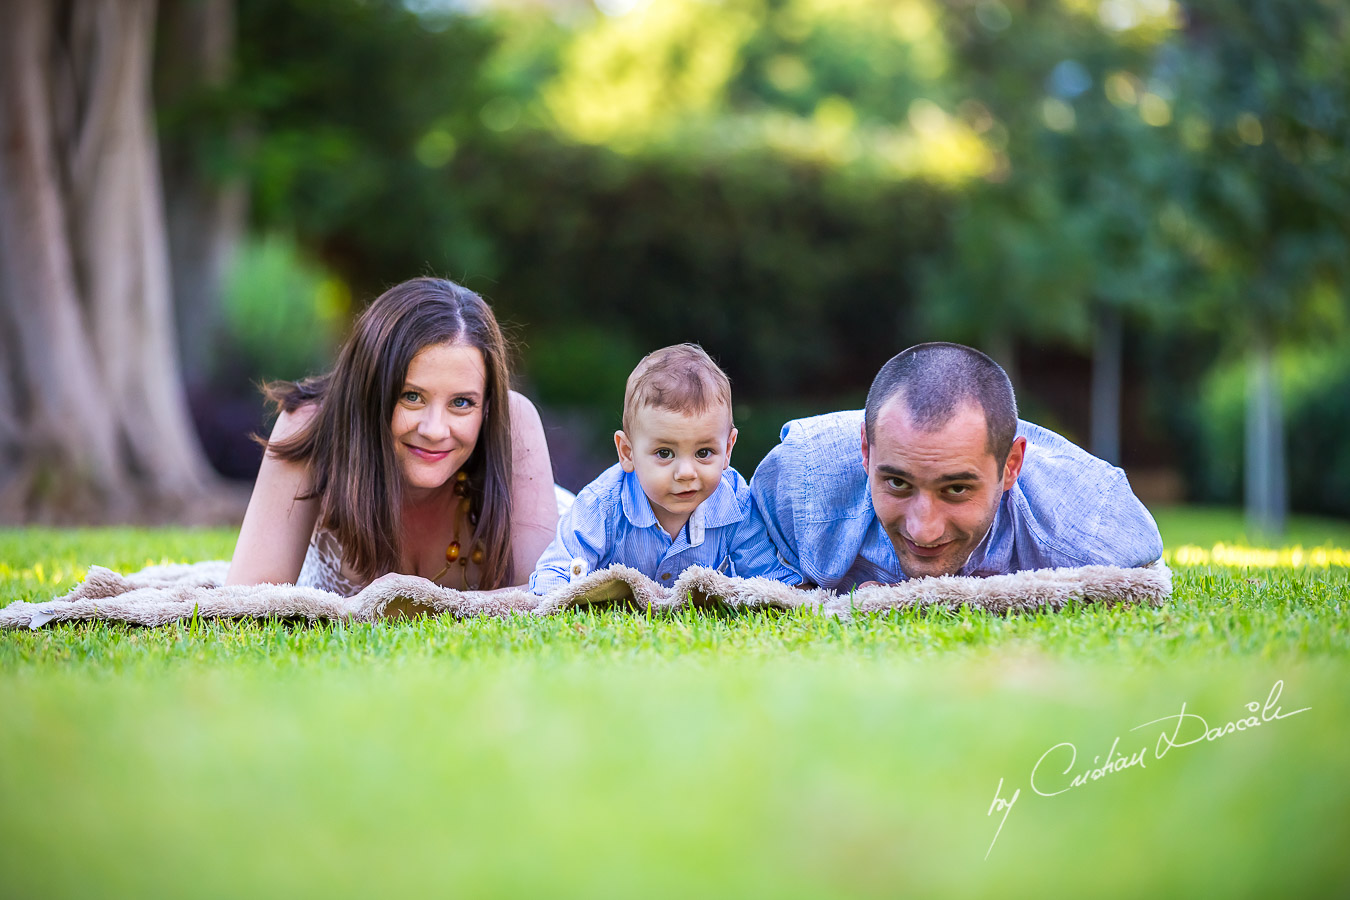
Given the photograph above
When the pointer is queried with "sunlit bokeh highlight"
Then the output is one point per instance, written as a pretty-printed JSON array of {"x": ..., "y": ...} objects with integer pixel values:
[
  {"x": 658, "y": 75},
  {"x": 1238, "y": 555}
]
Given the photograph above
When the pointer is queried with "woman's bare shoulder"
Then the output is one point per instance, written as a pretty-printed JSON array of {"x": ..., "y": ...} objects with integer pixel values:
[{"x": 523, "y": 408}]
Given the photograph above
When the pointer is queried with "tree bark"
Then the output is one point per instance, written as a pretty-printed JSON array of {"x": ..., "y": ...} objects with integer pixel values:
[
  {"x": 205, "y": 205},
  {"x": 93, "y": 422}
]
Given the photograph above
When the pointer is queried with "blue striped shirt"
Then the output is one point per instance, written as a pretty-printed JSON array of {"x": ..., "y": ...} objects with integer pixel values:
[
  {"x": 1067, "y": 508},
  {"x": 612, "y": 522}
]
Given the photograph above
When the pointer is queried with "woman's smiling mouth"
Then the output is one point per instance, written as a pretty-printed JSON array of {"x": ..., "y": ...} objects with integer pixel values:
[{"x": 428, "y": 455}]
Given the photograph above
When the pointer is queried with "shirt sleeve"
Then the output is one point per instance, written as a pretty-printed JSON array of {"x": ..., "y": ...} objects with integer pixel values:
[
  {"x": 753, "y": 555},
  {"x": 769, "y": 526},
  {"x": 1127, "y": 536},
  {"x": 583, "y": 533},
  {"x": 1081, "y": 510}
]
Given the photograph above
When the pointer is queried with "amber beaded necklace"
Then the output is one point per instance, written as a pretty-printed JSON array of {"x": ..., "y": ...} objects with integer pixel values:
[{"x": 453, "y": 554}]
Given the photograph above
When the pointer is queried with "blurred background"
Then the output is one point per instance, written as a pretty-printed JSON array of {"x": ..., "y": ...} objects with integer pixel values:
[{"x": 1139, "y": 207}]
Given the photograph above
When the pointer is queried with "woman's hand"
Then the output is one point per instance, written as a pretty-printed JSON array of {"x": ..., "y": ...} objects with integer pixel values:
[{"x": 277, "y": 526}]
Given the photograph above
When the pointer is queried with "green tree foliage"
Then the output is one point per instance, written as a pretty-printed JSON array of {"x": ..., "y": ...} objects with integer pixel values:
[
  {"x": 1068, "y": 222},
  {"x": 353, "y": 106},
  {"x": 807, "y": 186},
  {"x": 1265, "y": 88},
  {"x": 456, "y": 157},
  {"x": 1264, "y": 103}
]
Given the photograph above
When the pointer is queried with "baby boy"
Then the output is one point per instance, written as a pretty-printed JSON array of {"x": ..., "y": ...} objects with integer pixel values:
[{"x": 672, "y": 500}]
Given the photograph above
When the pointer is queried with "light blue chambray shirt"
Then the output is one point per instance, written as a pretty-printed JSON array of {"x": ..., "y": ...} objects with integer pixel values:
[
  {"x": 1067, "y": 508},
  {"x": 612, "y": 522}
]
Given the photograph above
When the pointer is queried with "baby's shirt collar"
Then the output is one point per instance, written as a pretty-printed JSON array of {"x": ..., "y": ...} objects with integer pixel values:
[{"x": 718, "y": 510}]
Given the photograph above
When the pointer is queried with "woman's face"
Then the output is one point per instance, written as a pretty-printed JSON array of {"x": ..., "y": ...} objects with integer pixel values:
[{"x": 439, "y": 414}]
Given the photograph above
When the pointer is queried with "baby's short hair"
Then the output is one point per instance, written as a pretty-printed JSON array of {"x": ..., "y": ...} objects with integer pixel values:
[{"x": 682, "y": 378}]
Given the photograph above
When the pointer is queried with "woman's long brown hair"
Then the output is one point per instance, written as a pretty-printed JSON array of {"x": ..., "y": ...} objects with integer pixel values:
[{"x": 349, "y": 445}]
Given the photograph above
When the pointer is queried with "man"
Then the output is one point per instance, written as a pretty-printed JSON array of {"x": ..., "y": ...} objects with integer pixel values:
[{"x": 937, "y": 476}]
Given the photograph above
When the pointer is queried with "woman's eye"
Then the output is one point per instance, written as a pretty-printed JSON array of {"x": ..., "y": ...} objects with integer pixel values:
[
  {"x": 665, "y": 453},
  {"x": 410, "y": 397},
  {"x": 461, "y": 403}
]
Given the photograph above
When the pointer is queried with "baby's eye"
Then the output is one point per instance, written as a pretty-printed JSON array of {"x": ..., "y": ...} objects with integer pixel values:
[
  {"x": 704, "y": 453},
  {"x": 665, "y": 453}
]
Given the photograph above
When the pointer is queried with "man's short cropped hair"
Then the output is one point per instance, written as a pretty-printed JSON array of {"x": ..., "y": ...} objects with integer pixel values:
[
  {"x": 682, "y": 378},
  {"x": 937, "y": 379}
]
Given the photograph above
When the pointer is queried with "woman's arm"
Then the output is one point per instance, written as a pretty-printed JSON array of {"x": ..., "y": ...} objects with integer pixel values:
[
  {"x": 534, "y": 507},
  {"x": 277, "y": 526}
]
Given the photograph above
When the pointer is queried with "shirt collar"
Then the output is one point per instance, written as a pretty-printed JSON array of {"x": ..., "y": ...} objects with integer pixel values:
[
  {"x": 992, "y": 556},
  {"x": 721, "y": 508},
  {"x": 636, "y": 507}
]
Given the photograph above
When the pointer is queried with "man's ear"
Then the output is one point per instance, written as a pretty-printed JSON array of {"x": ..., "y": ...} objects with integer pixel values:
[
  {"x": 1013, "y": 467},
  {"x": 731, "y": 442},
  {"x": 625, "y": 449},
  {"x": 864, "y": 445}
]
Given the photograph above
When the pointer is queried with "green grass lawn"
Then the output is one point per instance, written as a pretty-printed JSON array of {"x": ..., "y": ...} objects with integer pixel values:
[{"x": 608, "y": 754}]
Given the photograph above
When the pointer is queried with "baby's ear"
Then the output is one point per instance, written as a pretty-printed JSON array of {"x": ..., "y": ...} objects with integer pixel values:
[
  {"x": 625, "y": 449},
  {"x": 731, "y": 443}
]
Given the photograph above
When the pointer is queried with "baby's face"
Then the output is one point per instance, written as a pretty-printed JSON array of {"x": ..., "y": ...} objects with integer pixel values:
[{"x": 678, "y": 457}]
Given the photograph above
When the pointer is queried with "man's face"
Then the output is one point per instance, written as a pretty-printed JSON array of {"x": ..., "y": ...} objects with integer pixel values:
[{"x": 935, "y": 492}]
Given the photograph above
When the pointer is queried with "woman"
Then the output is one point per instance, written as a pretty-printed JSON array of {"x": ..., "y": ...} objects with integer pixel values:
[{"x": 412, "y": 456}]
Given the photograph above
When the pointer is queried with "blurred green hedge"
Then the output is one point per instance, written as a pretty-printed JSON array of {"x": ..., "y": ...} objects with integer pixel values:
[
  {"x": 1315, "y": 393},
  {"x": 797, "y": 282}
]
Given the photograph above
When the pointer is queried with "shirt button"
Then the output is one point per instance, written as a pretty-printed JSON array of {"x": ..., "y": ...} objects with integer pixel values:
[{"x": 665, "y": 576}]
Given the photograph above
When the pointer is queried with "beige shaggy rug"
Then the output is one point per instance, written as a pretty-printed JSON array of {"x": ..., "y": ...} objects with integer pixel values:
[{"x": 158, "y": 595}]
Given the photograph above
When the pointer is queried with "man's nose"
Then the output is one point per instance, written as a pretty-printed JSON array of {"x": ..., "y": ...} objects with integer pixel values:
[{"x": 923, "y": 520}]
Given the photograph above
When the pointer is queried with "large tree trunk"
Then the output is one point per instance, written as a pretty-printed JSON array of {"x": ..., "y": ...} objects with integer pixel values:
[
  {"x": 205, "y": 205},
  {"x": 1267, "y": 499},
  {"x": 93, "y": 426}
]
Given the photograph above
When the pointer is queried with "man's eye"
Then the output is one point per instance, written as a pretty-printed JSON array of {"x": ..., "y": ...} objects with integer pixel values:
[
  {"x": 665, "y": 453},
  {"x": 958, "y": 490},
  {"x": 897, "y": 484}
]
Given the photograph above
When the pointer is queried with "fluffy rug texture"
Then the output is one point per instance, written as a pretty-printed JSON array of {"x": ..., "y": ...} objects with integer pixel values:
[{"x": 158, "y": 595}]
